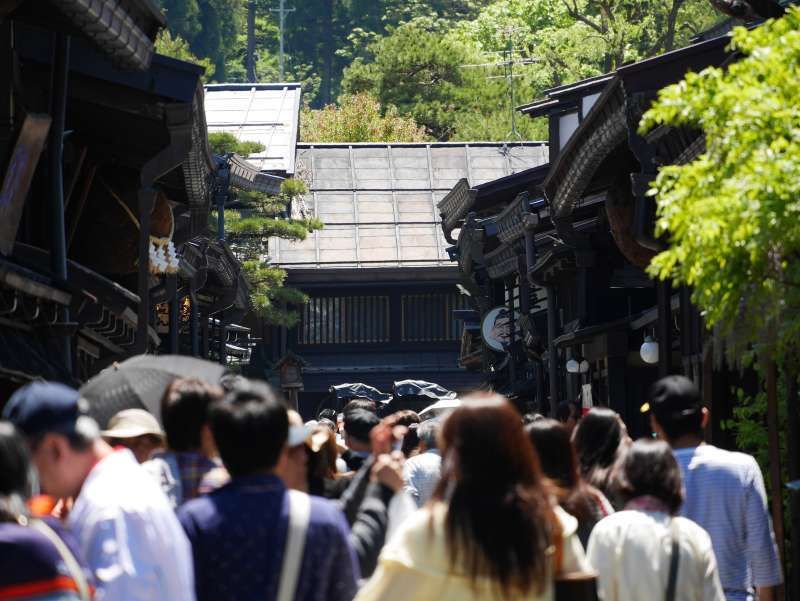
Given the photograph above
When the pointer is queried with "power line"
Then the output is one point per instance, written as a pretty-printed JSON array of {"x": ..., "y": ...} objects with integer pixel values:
[{"x": 508, "y": 62}]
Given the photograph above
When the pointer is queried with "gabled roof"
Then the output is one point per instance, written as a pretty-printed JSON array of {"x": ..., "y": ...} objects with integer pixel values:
[
  {"x": 259, "y": 112},
  {"x": 379, "y": 201}
]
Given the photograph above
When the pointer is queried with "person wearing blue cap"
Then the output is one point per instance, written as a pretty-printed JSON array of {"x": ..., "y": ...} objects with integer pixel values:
[{"x": 125, "y": 527}]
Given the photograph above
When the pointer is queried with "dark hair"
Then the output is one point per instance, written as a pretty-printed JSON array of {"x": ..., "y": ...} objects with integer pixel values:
[
  {"x": 675, "y": 425},
  {"x": 597, "y": 439},
  {"x": 358, "y": 423},
  {"x": 14, "y": 472},
  {"x": 250, "y": 427},
  {"x": 184, "y": 412},
  {"x": 364, "y": 404},
  {"x": 499, "y": 520},
  {"x": 406, "y": 417},
  {"x": 650, "y": 468},
  {"x": 410, "y": 440},
  {"x": 557, "y": 457},
  {"x": 567, "y": 409}
]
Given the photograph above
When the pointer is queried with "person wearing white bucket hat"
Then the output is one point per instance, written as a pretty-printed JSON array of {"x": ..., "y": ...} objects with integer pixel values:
[{"x": 137, "y": 430}]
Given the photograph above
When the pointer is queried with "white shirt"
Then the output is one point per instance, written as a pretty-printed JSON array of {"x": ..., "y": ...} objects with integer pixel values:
[
  {"x": 631, "y": 551},
  {"x": 130, "y": 536},
  {"x": 421, "y": 474}
]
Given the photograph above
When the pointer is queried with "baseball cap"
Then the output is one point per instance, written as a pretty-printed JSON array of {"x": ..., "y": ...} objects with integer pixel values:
[
  {"x": 41, "y": 407},
  {"x": 674, "y": 396},
  {"x": 130, "y": 423}
]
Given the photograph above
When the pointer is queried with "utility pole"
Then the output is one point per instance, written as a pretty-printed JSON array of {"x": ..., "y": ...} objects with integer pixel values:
[
  {"x": 251, "y": 41},
  {"x": 282, "y": 12},
  {"x": 509, "y": 60}
]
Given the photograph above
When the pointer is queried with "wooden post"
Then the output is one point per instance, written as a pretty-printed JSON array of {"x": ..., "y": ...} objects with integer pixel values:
[
  {"x": 58, "y": 236},
  {"x": 663, "y": 293},
  {"x": 146, "y": 197},
  {"x": 793, "y": 449},
  {"x": 174, "y": 316},
  {"x": 775, "y": 460},
  {"x": 552, "y": 354}
]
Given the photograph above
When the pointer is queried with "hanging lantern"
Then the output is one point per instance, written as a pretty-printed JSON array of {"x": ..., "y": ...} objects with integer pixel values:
[{"x": 649, "y": 350}]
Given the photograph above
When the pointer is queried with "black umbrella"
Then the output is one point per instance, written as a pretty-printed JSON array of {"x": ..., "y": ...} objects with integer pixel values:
[{"x": 140, "y": 383}]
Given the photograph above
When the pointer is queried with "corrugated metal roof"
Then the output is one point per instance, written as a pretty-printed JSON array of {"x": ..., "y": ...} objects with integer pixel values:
[
  {"x": 378, "y": 201},
  {"x": 257, "y": 112}
]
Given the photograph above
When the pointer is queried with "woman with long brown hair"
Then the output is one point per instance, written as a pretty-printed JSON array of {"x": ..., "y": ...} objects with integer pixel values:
[
  {"x": 551, "y": 439},
  {"x": 490, "y": 530}
]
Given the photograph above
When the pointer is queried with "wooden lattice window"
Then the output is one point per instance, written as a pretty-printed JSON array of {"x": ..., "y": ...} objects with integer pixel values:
[
  {"x": 344, "y": 320},
  {"x": 429, "y": 317}
]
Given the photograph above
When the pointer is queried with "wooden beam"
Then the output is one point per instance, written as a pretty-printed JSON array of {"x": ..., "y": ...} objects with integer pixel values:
[
  {"x": 74, "y": 178},
  {"x": 76, "y": 216}
]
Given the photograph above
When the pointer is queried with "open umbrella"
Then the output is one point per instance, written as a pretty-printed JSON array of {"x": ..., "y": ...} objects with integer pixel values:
[
  {"x": 439, "y": 407},
  {"x": 140, "y": 382}
]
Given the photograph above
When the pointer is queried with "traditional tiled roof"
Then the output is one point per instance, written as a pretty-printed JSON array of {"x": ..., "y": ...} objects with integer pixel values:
[
  {"x": 258, "y": 112},
  {"x": 379, "y": 201}
]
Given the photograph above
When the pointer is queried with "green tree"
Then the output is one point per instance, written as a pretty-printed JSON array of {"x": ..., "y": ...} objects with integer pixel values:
[
  {"x": 443, "y": 80},
  {"x": 249, "y": 230},
  {"x": 223, "y": 142},
  {"x": 731, "y": 215},
  {"x": 183, "y": 17},
  {"x": 177, "y": 47},
  {"x": 358, "y": 118}
]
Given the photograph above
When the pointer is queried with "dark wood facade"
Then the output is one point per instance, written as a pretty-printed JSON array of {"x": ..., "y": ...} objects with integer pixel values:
[{"x": 565, "y": 250}]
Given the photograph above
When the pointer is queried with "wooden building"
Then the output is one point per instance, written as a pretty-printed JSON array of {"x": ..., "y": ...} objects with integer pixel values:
[
  {"x": 108, "y": 182},
  {"x": 563, "y": 249},
  {"x": 382, "y": 287}
]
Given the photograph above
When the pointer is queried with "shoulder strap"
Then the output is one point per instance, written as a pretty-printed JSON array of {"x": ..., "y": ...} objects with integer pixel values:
[
  {"x": 299, "y": 514},
  {"x": 73, "y": 567},
  {"x": 672, "y": 579}
]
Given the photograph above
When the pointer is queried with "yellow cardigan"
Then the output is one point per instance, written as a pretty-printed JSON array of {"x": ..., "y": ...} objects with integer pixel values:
[{"x": 414, "y": 565}]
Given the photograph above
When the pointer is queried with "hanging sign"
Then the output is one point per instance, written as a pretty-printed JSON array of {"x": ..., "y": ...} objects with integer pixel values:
[{"x": 496, "y": 329}]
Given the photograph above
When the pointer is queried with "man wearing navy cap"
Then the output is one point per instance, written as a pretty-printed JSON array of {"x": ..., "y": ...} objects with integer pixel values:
[
  {"x": 124, "y": 524},
  {"x": 724, "y": 492}
]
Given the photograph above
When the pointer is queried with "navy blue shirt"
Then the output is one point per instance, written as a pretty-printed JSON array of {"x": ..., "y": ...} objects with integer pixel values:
[{"x": 238, "y": 533}]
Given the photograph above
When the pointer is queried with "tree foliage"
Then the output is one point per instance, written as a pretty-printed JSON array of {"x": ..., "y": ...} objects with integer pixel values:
[
  {"x": 248, "y": 230},
  {"x": 176, "y": 47},
  {"x": 358, "y": 118},
  {"x": 732, "y": 214},
  {"x": 223, "y": 142}
]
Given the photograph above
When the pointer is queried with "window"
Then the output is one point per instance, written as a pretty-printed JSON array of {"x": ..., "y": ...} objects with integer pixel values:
[
  {"x": 567, "y": 124},
  {"x": 429, "y": 317},
  {"x": 344, "y": 320}
]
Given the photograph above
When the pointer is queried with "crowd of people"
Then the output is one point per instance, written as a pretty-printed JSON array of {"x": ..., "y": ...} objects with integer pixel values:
[{"x": 231, "y": 496}]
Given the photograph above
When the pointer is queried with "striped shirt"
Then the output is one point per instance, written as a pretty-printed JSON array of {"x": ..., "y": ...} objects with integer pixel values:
[
  {"x": 421, "y": 474},
  {"x": 725, "y": 495}
]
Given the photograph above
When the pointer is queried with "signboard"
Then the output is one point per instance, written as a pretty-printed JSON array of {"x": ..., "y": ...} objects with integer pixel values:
[
  {"x": 17, "y": 180},
  {"x": 496, "y": 329}
]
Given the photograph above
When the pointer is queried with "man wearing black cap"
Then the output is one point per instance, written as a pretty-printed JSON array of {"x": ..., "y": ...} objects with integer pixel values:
[
  {"x": 724, "y": 492},
  {"x": 125, "y": 527}
]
